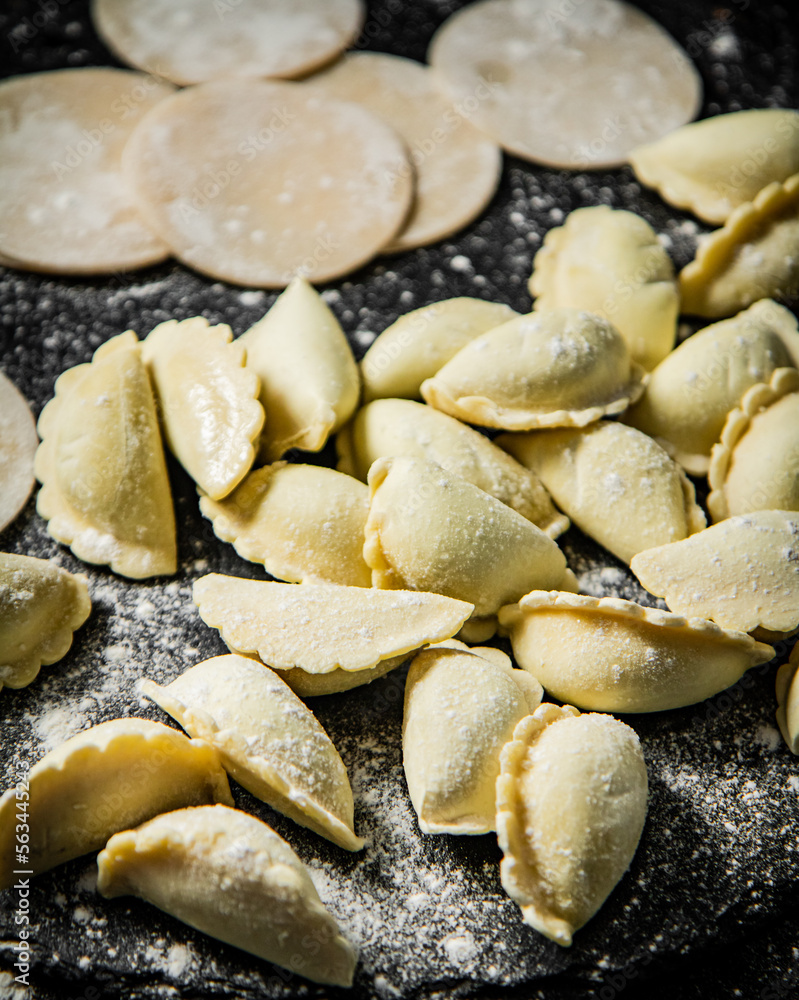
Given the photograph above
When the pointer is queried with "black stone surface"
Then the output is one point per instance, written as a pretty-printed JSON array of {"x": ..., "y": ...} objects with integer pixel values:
[{"x": 710, "y": 906}]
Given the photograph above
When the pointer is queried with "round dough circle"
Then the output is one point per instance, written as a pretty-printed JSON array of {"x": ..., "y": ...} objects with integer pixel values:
[
  {"x": 64, "y": 206},
  {"x": 18, "y": 444},
  {"x": 577, "y": 88},
  {"x": 255, "y": 182},
  {"x": 457, "y": 167},
  {"x": 191, "y": 41}
]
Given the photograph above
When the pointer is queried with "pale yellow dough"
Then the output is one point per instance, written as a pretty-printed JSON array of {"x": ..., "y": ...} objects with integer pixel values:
[
  {"x": 555, "y": 368},
  {"x": 189, "y": 41},
  {"x": 309, "y": 379},
  {"x": 457, "y": 167},
  {"x": 420, "y": 342},
  {"x": 105, "y": 490},
  {"x": 304, "y": 523},
  {"x": 573, "y": 85},
  {"x": 338, "y": 189},
  {"x": 104, "y": 779},
  {"x": 267, "y": 740},
  {"x": 788, "y": 700},
  {"x": 338, "y": 636},
  {"x": 609, "y": 262},
  {"x": 755, "y": 256},
  {"x": 571, "y": 806},
  {"x": 207, "y": 401},
  {"x": 460, "y": 710},
  {"x": 400, "y": 427},
  {"x": 18, "y": 444},
  {"x": 742, "y": 573},
  {"x": 690, "y": 393},
  {"x": 229, "y": 875},
  {"x": 612, "y": 655},
  {"x": 616, "y": 484},
  {"x": 65, "y": 207},
  {"x": 41, "y": 605},
  {"x": 429, "y": 530},
  {"x": 713, "y": 166},
  {"x": 755, "y": 465}
]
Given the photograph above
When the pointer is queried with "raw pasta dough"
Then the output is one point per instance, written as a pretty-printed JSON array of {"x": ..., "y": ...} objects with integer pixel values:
[
  {"x": 18, "y": 444},
  {"x": 788, "y": 701}
]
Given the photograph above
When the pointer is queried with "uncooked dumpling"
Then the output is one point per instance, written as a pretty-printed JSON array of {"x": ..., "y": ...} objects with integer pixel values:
[
  {"x": 571, "y": 806},
  {"x": 267, "y": 740},
  {"x": 460, "y": 710},
  {"x": 309, "y": 379},
  {"x": 609, "y": 262},
  {"x": 616, "y": 484},
  {"x": 554, "y": 368},
  {"x": 612, "y": 655},
  {"x": 41, "y": 605},
  {"x": 105, "y": 490},
  {"x": 400, "y": 427},
  {"x": 18, "y": 444},
  {"x": 788, "y": 700},
  {"x": 304, "y": 523},
  {"x": 229, "y": 875}
]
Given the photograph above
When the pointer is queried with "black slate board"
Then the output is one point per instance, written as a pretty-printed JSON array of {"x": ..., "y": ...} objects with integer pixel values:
[{"x": 710, "y": 906}]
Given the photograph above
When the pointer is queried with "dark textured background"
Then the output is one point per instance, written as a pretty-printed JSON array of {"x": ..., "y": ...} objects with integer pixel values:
[{"x": 710, "y": 907}]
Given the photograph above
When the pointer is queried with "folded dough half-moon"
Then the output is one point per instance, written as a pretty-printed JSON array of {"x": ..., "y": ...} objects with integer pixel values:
[
  {"x": 303, "y": 523},
  {"x": 400, "y": 427},
  {"x": 267, "y": 740},
  {"x": 612, "y": 655},
  {"x": 104, "y": 779},
  {"x": 755, "y": 465},
  {"x": 18, "y": 444},
  {"x": 554, "y": 368},
  {"x": 460, "y": 710},
  {"x": 41, "y": 605},
  {"x": 609, "y": 262},
  {"x": 207, "y": 400},
  {"x": 755, "y": 256},
  {"x": 715, "y": 165},
  {"x": 229, "y": 875},
  {"x": 742, "y": 573},
  {"x": 690, "y": 393},
  {"x": 616, "y": 484},
  {"x": 105, "y": 490},
  {"x": 309, "y": 379},
  {"x": 788, "y": 700},
  {"x": 431, "y": 531},
  {"x": 571, "y": 806}
]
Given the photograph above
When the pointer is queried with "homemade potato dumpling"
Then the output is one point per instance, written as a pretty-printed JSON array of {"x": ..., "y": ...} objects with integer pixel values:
[
  {"x": 742, "y": 573},
  {"x": 616, "y": 484},
  {"x": 755, "y": 465},
  {"x": 229, "y": 875},
  {"x": 420, "y": 342},
  {"x": 309, "y": 379},
  {"x": 400, "y": 427},
  {"x": 690, "y": 393},
  {"x": 18, "y": 444},
  {"x": 428, "y": 530},
  {"x": 304, "y": 523},
  {"x": 267, "y": 740},
  {"x": 329, "y": 637},
  {"x": 460, "y": 710},
  {"x": 555, "y": 368},
  {"x": 788, "y": 700},
  {"x": 571, "y": 806},
  {"x": 41, "y": 605},
  {"x": 755, "y": 256},
  {"x": 612, "y": 655},
  {"x": 715, "y": 165},
  {"x": 610, "y": 263},
  {"x": 105, "y": 490},
  {"x": 104, "y": 779},
  {"x": 207, "y": 401}
]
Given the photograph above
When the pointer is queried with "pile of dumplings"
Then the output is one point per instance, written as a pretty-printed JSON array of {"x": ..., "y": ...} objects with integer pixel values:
[{"x": 428, "y": 539}]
